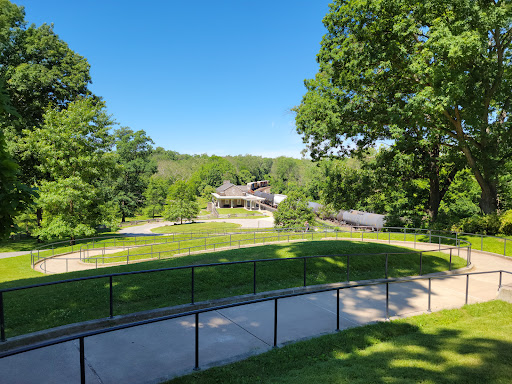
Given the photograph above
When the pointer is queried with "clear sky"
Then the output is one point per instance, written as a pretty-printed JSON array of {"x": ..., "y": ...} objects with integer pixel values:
[{"x": 216, "y": 77}]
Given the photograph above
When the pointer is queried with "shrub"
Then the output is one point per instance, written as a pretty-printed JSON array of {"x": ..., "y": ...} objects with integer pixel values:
[
  {"x": 485, "y": 225},
  {"x": 506, "y": 223}
]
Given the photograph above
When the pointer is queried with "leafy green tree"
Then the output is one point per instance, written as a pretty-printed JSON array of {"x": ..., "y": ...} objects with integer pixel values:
[
  {"x": 181, "y": 203},
  {"x": 244, "y": 176},
  {"x": 72, "y": 147},
  {"x": 293, "y": 212},
  {"x": 15, "y": 196},
  {"x": 284, "y": 174},
  {"x": 213, "y": 173},
  {"x": 133, "y": 151},
  {"x": 155, "y": 196},
  {"x": 389, "y": 67}
]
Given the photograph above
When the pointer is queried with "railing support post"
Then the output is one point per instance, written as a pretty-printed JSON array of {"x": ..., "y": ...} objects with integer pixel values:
[
  {"x": 275, "y": 323},
  {"x": 196, "y": 363},
  {"x": 192, "y": 283},
  {"x": 499, "y": 285},
  {"x": 304, "y": 271},
  {"x": 82, "y": 360},
  {"x": 429, "y": 293},
  {"x": 387, "y": 265},
  {"x": 467, "y": 288},
  {"x": 111, "y": 297},
  {"x": 2, "y": 317},
  {"x": 387, "y": 301},
  {"x": 348, "y": 267},
  {"x": 450, "y": 267},
  {"x": 338, "y": 309},
  {"x": 254, "y": 278},
  {"x": 421, "y": 263}
]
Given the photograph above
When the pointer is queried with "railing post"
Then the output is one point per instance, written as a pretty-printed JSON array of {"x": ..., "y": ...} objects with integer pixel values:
[
  {"x": 254, "y": 278},
  {"x": 421, "y": 263},
  {"x": 196, "y": 364},
  {"x": 450, "y": 267},
  {"x": 499, "y": 285},
  {"x": 439, "y": 237},
  {"x": 387, "y": 301},
  {"x": 111, "y": 297},
  {"x": 405, "y": 234},
  {"x": 2, "y": 317},
  {"x": 275, "y": 323},
  {"x": 82, "y": 360},
  {"x": 429, "y": 293},
  {"x": 192, "y": 285},
  {"x": 467, "y": 287},
  {"x": 387, "y": 265},
  {"x": 348, "y": 267},
  {"x": 338, "y": 309},
  {"x": 304, "y": 271}
]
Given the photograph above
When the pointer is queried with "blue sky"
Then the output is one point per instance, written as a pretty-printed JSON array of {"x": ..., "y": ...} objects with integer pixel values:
[{"x": 197, "y": 76}]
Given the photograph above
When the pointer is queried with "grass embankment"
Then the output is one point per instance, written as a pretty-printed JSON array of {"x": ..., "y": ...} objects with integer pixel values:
[
  {"x": 41, "y": 308},
  {"x": 194, "y": 227},
  {"x": 468, "y": 345},
  {"x": 204, "y": 242}
]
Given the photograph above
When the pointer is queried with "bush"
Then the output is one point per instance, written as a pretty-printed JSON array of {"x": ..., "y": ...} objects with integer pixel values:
[
  {"x": 506, "y": 223},
  {"x": 485, "y": 225}
]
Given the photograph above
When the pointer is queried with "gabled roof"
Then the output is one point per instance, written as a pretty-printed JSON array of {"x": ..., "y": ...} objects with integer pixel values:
[{"x": 224, "y": 186}]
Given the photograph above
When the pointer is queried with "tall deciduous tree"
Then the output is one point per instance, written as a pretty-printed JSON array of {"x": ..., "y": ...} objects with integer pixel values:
[
  {"x": 391, "y": 66},
  {"x": 293, "y": 212},
  {"x": 155, "y": 195},
  {"x": 72, "y": 148},
  {"x": 181, "y": 203},
  {"x": 133, "y": 155}
]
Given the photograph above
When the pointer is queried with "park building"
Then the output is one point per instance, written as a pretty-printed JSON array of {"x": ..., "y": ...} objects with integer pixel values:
[{"x": 229, "y": 195}]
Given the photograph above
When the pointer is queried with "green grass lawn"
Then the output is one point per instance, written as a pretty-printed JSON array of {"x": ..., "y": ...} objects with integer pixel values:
[
  {"x": 192, "y": 227},
  {"x": 468, "y": 345},
  {"x": 40, "y": 308},
  {"x": 237, "y": 211}
]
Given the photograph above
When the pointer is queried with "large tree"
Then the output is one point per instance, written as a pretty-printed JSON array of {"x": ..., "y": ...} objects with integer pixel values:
[
  {"x": 181, "y": 203},
  {"x": 39, "y": 70},
  {"x": 72, "y": 148},
  {"x": 390, "y": 67},
  {"x": 133, "y": 151}
]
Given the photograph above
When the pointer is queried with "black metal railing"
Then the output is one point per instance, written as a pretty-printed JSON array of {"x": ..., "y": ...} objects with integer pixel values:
[
  {"x": 196, "y": 363},
  {"x": 282, "y": 235},
  {"x": 193, "y": 268}
]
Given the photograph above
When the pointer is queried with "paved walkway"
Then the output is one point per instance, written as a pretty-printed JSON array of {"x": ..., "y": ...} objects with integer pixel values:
[
  {"x": 155, "y": 352},
  {"x": 4, "y": 255}
]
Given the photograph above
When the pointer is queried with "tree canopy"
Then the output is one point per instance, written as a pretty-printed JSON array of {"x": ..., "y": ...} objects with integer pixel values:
[{"x": 393, "y": 68}]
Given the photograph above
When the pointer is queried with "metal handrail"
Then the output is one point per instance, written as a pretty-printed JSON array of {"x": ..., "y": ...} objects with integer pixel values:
[
  {"x": 197, "y": 312},
  {"x": 254, "y": 262}
]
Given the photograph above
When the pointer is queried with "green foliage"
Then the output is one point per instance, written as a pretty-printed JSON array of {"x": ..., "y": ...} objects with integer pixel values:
[
  {"x": 437, "y": 72},
  {"x": 485, "y": 224},
  {"x": 181, "y": 203},
  {"x": 155, "y": 196},
  {"x": 133, "y": 151},
  {"x": 293, "y": 212},
  {"x": 14, "y": 196},
  {"x": 213, "y": 173},
  {"x": 506, "y": 223},
  {"x": 71, "y": 148}
]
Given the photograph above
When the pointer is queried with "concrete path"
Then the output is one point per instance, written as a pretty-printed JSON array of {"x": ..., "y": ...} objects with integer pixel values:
[
  {"x": 4, "y": 255},
  {"x": 145, "y": 229},
  {"x": 155, "y": 352}
]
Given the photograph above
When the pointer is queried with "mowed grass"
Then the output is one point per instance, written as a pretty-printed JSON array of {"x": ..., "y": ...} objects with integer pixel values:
[
  {"x": 192, "y": 227},
  {"x": 45, "y": 307},
  {"x": 468, "y": 345}
]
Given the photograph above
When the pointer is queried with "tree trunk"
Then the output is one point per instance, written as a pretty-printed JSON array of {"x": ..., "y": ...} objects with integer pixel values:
[
  {"x": 123, "y": 215},
  {"x": 39, "y": 216},
  {"x": 489, "y": 197}
]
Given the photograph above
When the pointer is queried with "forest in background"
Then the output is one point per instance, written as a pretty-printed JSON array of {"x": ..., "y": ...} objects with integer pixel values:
[{"x": 68, "y": 168}]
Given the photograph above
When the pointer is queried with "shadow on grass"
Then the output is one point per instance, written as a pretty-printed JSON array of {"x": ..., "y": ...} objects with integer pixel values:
[{"x": 446, "y": 351}]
